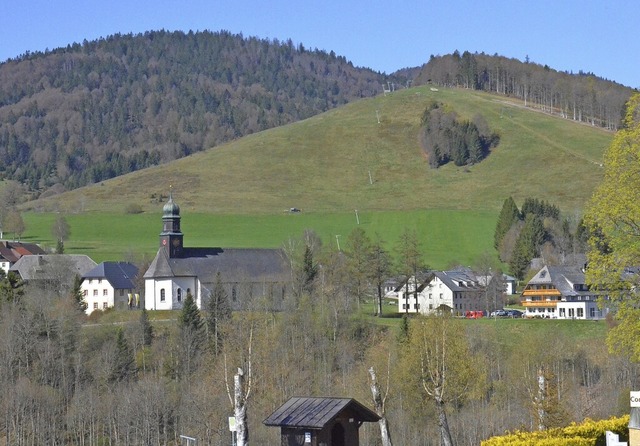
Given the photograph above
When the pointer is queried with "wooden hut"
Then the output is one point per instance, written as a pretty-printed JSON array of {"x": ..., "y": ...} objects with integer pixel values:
[{"x": 320, "y": 421}]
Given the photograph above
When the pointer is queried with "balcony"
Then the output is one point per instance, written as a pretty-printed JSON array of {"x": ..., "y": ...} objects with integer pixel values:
[
  {"x": 531, "y": 292},
  {"x": 539, "y": 303}
]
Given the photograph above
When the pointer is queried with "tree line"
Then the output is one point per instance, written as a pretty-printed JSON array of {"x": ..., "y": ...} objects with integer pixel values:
[
  {"x": 66, "y": 379},
  {"x": 538, "y": 230},
  {"x": 91, "y": 111},
  {"x": 581, "y": 96}
]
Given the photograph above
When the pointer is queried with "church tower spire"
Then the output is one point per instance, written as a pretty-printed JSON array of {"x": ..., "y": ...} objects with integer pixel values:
[{"x": 171, "y": 236}]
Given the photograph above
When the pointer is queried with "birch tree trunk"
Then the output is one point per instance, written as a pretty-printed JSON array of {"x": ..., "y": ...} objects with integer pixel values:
[
  {"x": 445, "y": 433},
  {"x": 378, "y": 402},
  {"x": 240, "y": 409}
]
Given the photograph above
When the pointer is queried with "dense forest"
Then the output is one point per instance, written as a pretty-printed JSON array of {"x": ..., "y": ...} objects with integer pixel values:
[
  {"x": 582, "y": 97},
  {"x": 69, "y": 380},
  {"x": 91, "y": 111}
]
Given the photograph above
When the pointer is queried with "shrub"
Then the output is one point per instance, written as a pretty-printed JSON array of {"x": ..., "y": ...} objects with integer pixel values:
[{"x": 587, "y": 433}]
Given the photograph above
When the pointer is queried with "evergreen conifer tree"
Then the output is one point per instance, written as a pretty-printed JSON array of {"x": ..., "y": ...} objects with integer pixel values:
[
  {"x": 508, "y": 216},
  {"x": 309, "y": 270},
  {"x": 124, "y": 367},
  {"x": 218, "y": 311},
  {"x": 191, "y": 334},
  {"x": 76, "y": 293},
  {"x": 146, "y": 328}
]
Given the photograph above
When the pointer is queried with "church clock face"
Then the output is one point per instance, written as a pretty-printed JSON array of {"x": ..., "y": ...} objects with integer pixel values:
[{"x": 176, "y": 243}]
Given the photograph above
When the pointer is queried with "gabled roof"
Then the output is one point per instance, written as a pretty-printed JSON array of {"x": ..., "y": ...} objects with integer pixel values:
[
  {"x": 458, "y": 280},
  {"x": 12, "y": 251},
  {"x": 563, "y": 278},
  {"x": 120, "y": 275},
  {"x": 48, "y": 266},
  {"x": 315, "y": 413},
  {"x": 234, "y": 265}
]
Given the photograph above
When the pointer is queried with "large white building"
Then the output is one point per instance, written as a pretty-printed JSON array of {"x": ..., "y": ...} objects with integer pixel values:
[
  {"x": 247, "y": 275},
  {"x": 457, "y": 292},
  {"x": 560, "y": 292},
  {"x": 110, "y": 284}
]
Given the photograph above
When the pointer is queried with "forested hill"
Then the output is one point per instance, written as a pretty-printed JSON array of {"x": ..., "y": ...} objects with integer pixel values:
[
  {"x": 99, "y": 109},
  {"x": 582, "y": 97}
]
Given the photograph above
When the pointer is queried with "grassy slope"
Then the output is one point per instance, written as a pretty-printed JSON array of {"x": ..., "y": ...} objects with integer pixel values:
[
  {"x": 234, "y": 195},
  {"x": 322, "y": 164}
]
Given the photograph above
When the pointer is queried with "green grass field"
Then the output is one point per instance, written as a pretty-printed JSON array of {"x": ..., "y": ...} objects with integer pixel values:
[{"x": 449, "y": 236}]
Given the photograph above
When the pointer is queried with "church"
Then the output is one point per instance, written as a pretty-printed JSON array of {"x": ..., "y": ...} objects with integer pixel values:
[{"x": 251, "y": 277}]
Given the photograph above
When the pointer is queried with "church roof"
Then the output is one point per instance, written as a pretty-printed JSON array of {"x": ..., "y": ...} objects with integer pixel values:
[{"x": 233, "y": 264}]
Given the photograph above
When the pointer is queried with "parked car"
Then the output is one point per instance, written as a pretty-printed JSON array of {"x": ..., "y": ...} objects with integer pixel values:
[
  {"x": 499, "y": 313},
  {"x": 514, "y": 313}
]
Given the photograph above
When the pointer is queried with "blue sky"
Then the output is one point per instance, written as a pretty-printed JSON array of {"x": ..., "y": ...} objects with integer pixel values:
[{"x": 594, "y": 36}]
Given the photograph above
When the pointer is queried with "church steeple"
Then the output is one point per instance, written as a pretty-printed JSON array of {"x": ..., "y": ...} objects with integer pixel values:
[{"x": 171, "y": 236}]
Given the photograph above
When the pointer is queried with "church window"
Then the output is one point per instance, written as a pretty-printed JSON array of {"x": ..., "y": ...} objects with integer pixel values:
[
  {"x": 162, "y": 295},
  {"x": 179, "y": 294}
]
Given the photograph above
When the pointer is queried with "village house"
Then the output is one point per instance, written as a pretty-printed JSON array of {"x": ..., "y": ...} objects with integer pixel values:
[
  {"x": 10, "y": 253},
  {"x": 248, "y": 276},
  {"x": 456, "y": 291},
  {"x": 561, "y": 292},
  {"x": 110, "y": 284},
  {"x": 52, "y": 271}
]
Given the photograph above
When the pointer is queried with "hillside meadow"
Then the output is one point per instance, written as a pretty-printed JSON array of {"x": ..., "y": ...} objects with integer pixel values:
[{"x": 364, "y": 156}]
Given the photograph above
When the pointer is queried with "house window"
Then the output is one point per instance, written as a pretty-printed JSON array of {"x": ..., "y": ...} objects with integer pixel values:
[
  {"x": 440, "y": 295},
  {"x": 179, "y": 294},
  {"x": 105, "y": 292},
  {"x": 581, "y": 312},
  {"x": 417, "y": 306},
  {"x": 95, "y": 305},
  {"x": 104, "y": 305},
  {"x": 562, "y": 312},
  {"x": 99, "y": 280},
  {"x": 592, "y": 312},
  {"x": 95, "y": 292},
  {"x": 85, "y": 292},
  {"x": 162, "y": 295},
  {"x": 430, "y": 296},
  {"x": 431, "y": 306},
  {"x": 404, "y": 306},
  {"x": 571, "y": 312}
]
